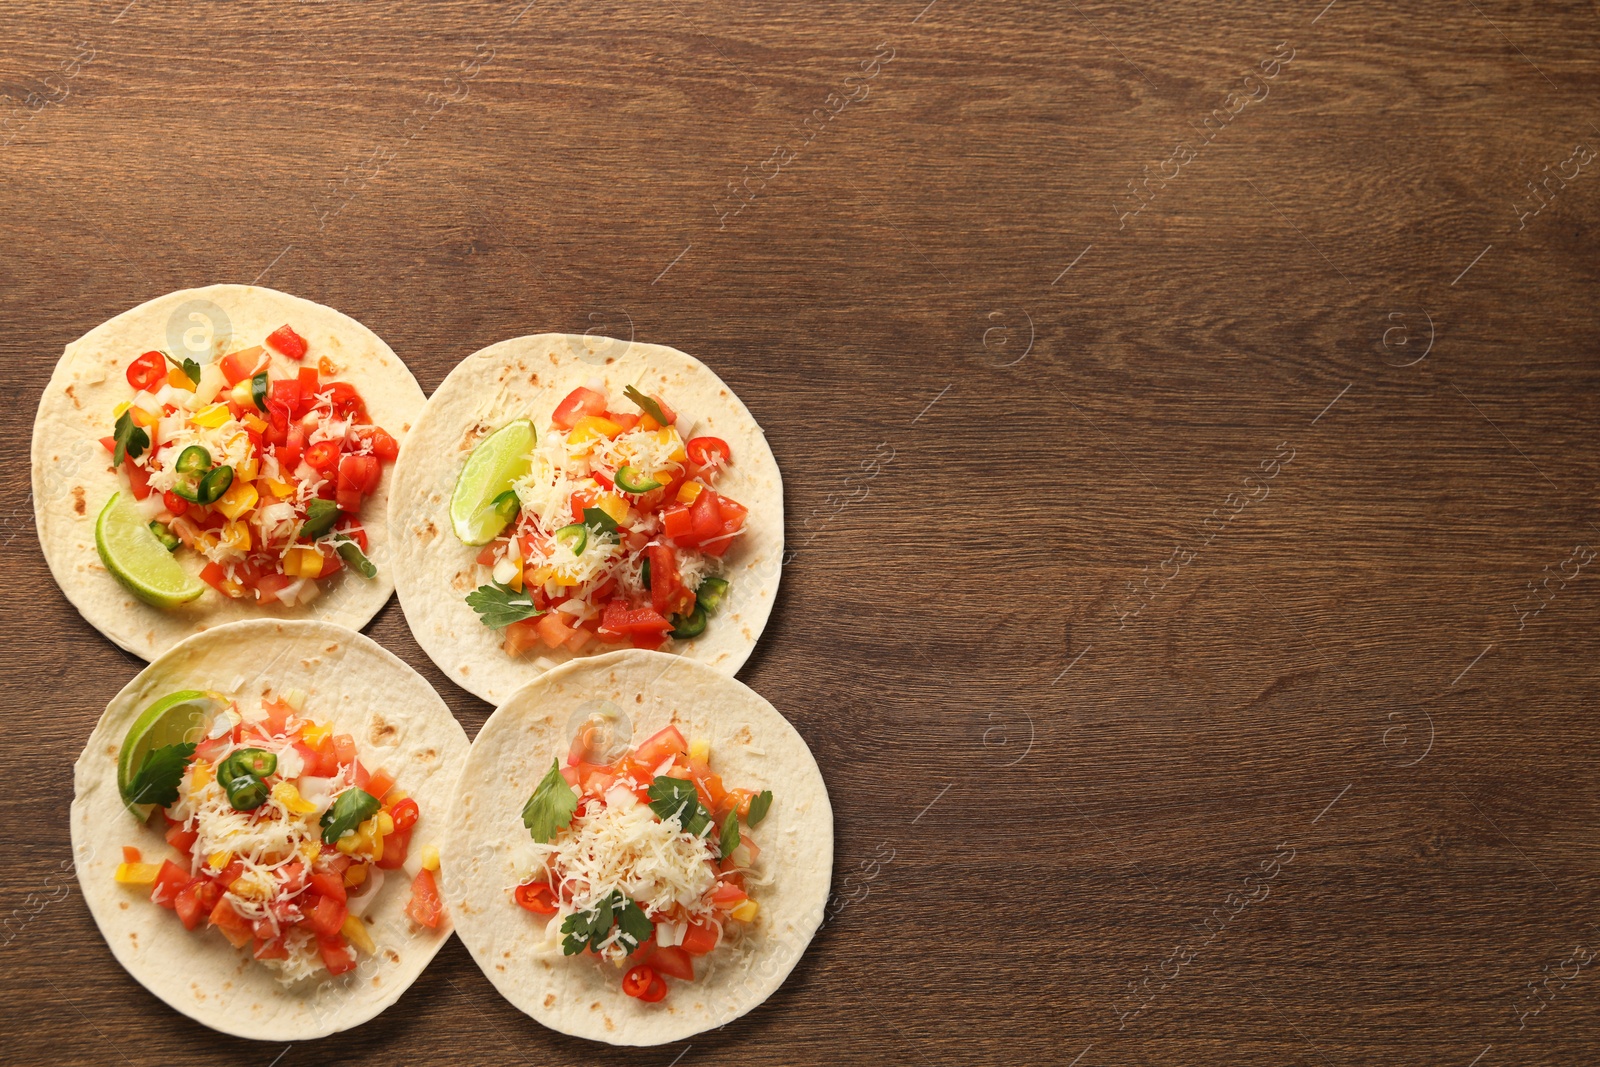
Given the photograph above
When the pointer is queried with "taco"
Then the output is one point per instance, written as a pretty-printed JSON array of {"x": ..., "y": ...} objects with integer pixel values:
[
  {"x": 256, "y": 830},
  {"x": 562, "y": 496},
  {"x": 220, "y": 454},
  {"x": 601, "y": 853}
]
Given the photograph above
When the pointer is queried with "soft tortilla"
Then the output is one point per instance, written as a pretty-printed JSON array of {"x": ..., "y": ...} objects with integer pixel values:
[
  {"x": 527, "y": 377},
  {"x": 73, "y": 476},
  {"x": 752, "y": 746},
  {"x": 399, "y": 724}
]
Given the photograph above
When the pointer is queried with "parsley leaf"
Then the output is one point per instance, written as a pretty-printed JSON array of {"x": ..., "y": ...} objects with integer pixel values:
[
  {"x": 589, "y": 929},
  {"x": 498, "y": 606},
  {"x": 730, "y": 834},
  {"x": 646, "y": 404},
  {"x": 599, "y": 521},
  {"x": 156, "y": 780},
  {"x": 191, "y": 369},
  {"x": 758, "y": 807},
  {"x": 674, "y": 798},
  {"x": 550, "y": 807},
  {"x": 348, "y": 810},
  {"x": 131, "y": 440}
]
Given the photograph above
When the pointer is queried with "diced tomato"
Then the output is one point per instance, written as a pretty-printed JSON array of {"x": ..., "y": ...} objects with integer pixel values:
[
  {"x": 358, "y": 477},
  {"x": 271, "y": 948},
  {"x": 395, "y": 848},
  {"x": 195, "y": 901},
  {"x": 292, "y": 449},
  {"x": 728, "y": 896},
  {"x": 344, "y": 748},
  {"x": 130, "y": 854},
  {"x": 138, "y": 478},
  {"x": 582, "y": 499},
  {"x": 384, "y": 446},
  {"x": 237, "y": 366},
  {"x": 308, "y": 382},
  {"x": 673, "y": 962},
  {"x": 286, "y": 341},
  {"x": 234, "y": 926},
  {"x": 331, "y": 563},
  {"x": 579, "y": 402},
  {"x": 521, "y": 636},
  {"x": 648, "y": 641},
  {"x": 230, "y": 874},
  {"x": 606, "y": 481},
  {"x": 277, "y": 720},
  {"x": 632, "y": 622},
  {"x": 379, "y": 784},
  {"x": 213, "y": 575},
  {"x": 337, "y": 956},
  {"x": 181, "y": 839},
  {"x": 330, "y": 884},
  {"x": 324, "y": 456},
  {"x": 425, "y": 908},
  {"x": 347, "y": 403},
  {"x": 170, "y": 881},
  {"x": 660, "y": 747},
  {"x": 268, "y": 586},
  {"x": 148, "y": 372},
  {"x": 553, "y": 630},
  {"x": 707, "y": 515},
  {"x": 579, "y": 638},
  {"x": 328, "y": 915},
  {"x": 700, "y": 938},
  {"x": 707, "y": 452},
  {"x": 536, "y": 897},
  {"x": 286, "y": 395},
  {"x": 405, "y": 815},
  {"x": 354, "y": 530},
  {"x": 733, "y": 514},
  {"x": 677, "y": 522}
]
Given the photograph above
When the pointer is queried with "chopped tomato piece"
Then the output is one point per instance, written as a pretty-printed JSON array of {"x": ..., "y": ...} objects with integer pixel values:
[
  {"x": 632, "y": 622},
  {"x": 700, "y": 938},
  {"x": 330, "y": 884},
  {"x": 170, "y": 881},
  {"x": 379, "y": 785},
  {"x": 553, "y": 630},
  {"x": 678, "y": 523},
  {"x": 287, "y": 396},
  {"x": 286, "y": 341},
  {"x": 181, "y": 839},
  {"x": 271, "y": 948},
  {"x": 396, "y": 846},
  {"x": 237, "y": 366},
  {"x": 673, "y": 962},
  {"x": 269, "y": 586},
  {"x": 537, "y": 897},
  {"x": 425, "y": 908},
  {"x": 148, "y": 372},
  {"x": 521, "y": 636},
  {"x": 660, "y": 747},
  {"x": 727, "y": 895},
  {"x": 337, "y": 956},
  {"x": 707, "y": 515},
  {"x": 195, "y": 901},
  {"x": 344, "y": 748},
  {"x": 347, "y": 403},
  {"x": 308, "y": 382},
  {"x": 328, "y": 916},
  {"x": 234, "y": 926},
  {"x": 579, "y": 402},
  {"x": 138, "y": 478},
  {"x": 665, "y": 582},
  {"x": 384, "y": 446}
]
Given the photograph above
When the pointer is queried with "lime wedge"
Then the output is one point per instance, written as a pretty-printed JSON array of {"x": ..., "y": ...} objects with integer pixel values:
[
  {"x": 131, "y": 552},
  {"x": 500, "y": 459},
  {"x": 172, "y": 720}
]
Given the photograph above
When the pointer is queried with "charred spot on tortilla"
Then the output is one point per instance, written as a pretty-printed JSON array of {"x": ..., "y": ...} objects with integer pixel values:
[
  {"x": 381, "y": 731},
  {"x": 77, "y": 499},
  {"x": 549, "y": 1000}
]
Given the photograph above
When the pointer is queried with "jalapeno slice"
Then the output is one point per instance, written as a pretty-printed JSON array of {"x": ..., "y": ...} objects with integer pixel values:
[
  {"x": 258, "y": 391},
  {"x": 506, "y": 505},
  {"x": 168, "y": 539},
  {"x": 710, "y": 595},
  {"x": 245, "y": 793},
  {"x": 193, "y": 460},
  {"x": 690, "y": 625},
  {"x": 632, "y": 480},
  {"x": 256, "y": 761},
  {"x": 575, "y": 537},
  {"x": 213, "y": 485}
]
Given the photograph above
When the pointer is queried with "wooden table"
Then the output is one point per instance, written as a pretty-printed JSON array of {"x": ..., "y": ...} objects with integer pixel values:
[{"x": 1187, "y": 414}]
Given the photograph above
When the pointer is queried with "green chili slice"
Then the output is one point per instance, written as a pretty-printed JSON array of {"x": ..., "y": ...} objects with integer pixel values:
[
  {"x": 351, "y": 553},
  {"x": 256, "y": 761},
  {"x": 246, "y": 792},
  {"x": 710, "y": 595},
  {"x": 258, "y": 391},
  {"x": 690, "y": 625},
  {"x": 646, "y": 404},
  {"x": 630, "y": 480},
  {"x": 575, "y": 537},
  {"x": 214, "y": 485},
  {"x": 193, "y": 460},
  {"x": 168, "y": 539},
  {"x": 506, "y": 505},
  {"x": 644, "y": 573}
]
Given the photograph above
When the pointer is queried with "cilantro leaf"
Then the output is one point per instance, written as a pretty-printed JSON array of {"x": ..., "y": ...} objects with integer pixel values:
[
  {"x": 599, "y": 521},
  {"x": 156, "y": 780},
  {"x": 550, "y": 807},
  {"x": 348, "y": 810},
  {"x": 636, "y": 926},
  {"x": 730, "y": 834},
  {"x": 498, "y": 606},
  {"x": 758, "y": 807},
  {"x": 131, "y": 440},
  {"x": 674, "y": 798},
  {"x": 646, "y": 404}
]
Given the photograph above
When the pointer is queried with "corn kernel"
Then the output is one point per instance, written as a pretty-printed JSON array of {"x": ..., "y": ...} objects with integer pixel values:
[
  {"x": 746, "y": 911},
  {"x": 137, "y": 873},
  {"x": 688, "y": 491},
  {"x": 211, "y": 417},
  {"x": 240, "y": 498},
  {"x": 430, "y": 857},
  {"x": 355, "y": 931}
]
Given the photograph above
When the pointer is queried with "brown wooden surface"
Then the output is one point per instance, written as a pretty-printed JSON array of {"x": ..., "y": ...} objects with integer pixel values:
[{"x": 1068, "y": 703}]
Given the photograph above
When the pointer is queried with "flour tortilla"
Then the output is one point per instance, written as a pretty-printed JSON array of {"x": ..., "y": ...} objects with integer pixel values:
[
  {"x": 527, "y": 377},
  {"x": 752, "y": 746},
  {"x": 399, "y": 724},
  {"x": 73, "y": 476}
]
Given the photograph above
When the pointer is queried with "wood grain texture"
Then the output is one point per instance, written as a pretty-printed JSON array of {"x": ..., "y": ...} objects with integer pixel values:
[{"x": 1134, "y": 760}]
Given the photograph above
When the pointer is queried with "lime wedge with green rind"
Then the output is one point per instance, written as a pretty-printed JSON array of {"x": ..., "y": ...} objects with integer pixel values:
[
  {"x": 500, "y": 459},
  {"x": 131, "y": 551},
  {"x": 172, "y": 720}
]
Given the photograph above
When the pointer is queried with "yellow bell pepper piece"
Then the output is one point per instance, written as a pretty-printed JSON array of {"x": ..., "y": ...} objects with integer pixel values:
[
  {"x": 430, "y": 857},
  {"x": 137, "y": 873},
  {"x": 143, "y": 418},
  {"x": 246, "y": 471},
  {"x": 590, "y": 427},
  {"x": 355, "y": 874},
  {"x": 240, "y": 498},
  {"x": 179, "y": 380},
  {"x": 211, "y": 417},
  {"x": 236, "y": 535},
  {"x": 540, "y": 575},
  {"x": 317, "y": 733},
  {"x": 255, "y": 422},
  {"x": 699, "y": 750},
  {"x": 355, "y": 931},
  {"x": 669, "y": 436},
  {"x": 201, "y": 776},
  {"x": 303, "y": 562},
  {"x": 688, "y": 491},
  {"x": 385, "y": 823},
  {"x": 613, "y": 505},
  {"x": 204, "y": 542},
  {"x": 219, "y": 860},
  {"x": 277, "y": 488},
  {"x": 746, "y": 911},
  {"x": 117, "y": 411},
  {"x": 286, "y": 794}
]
